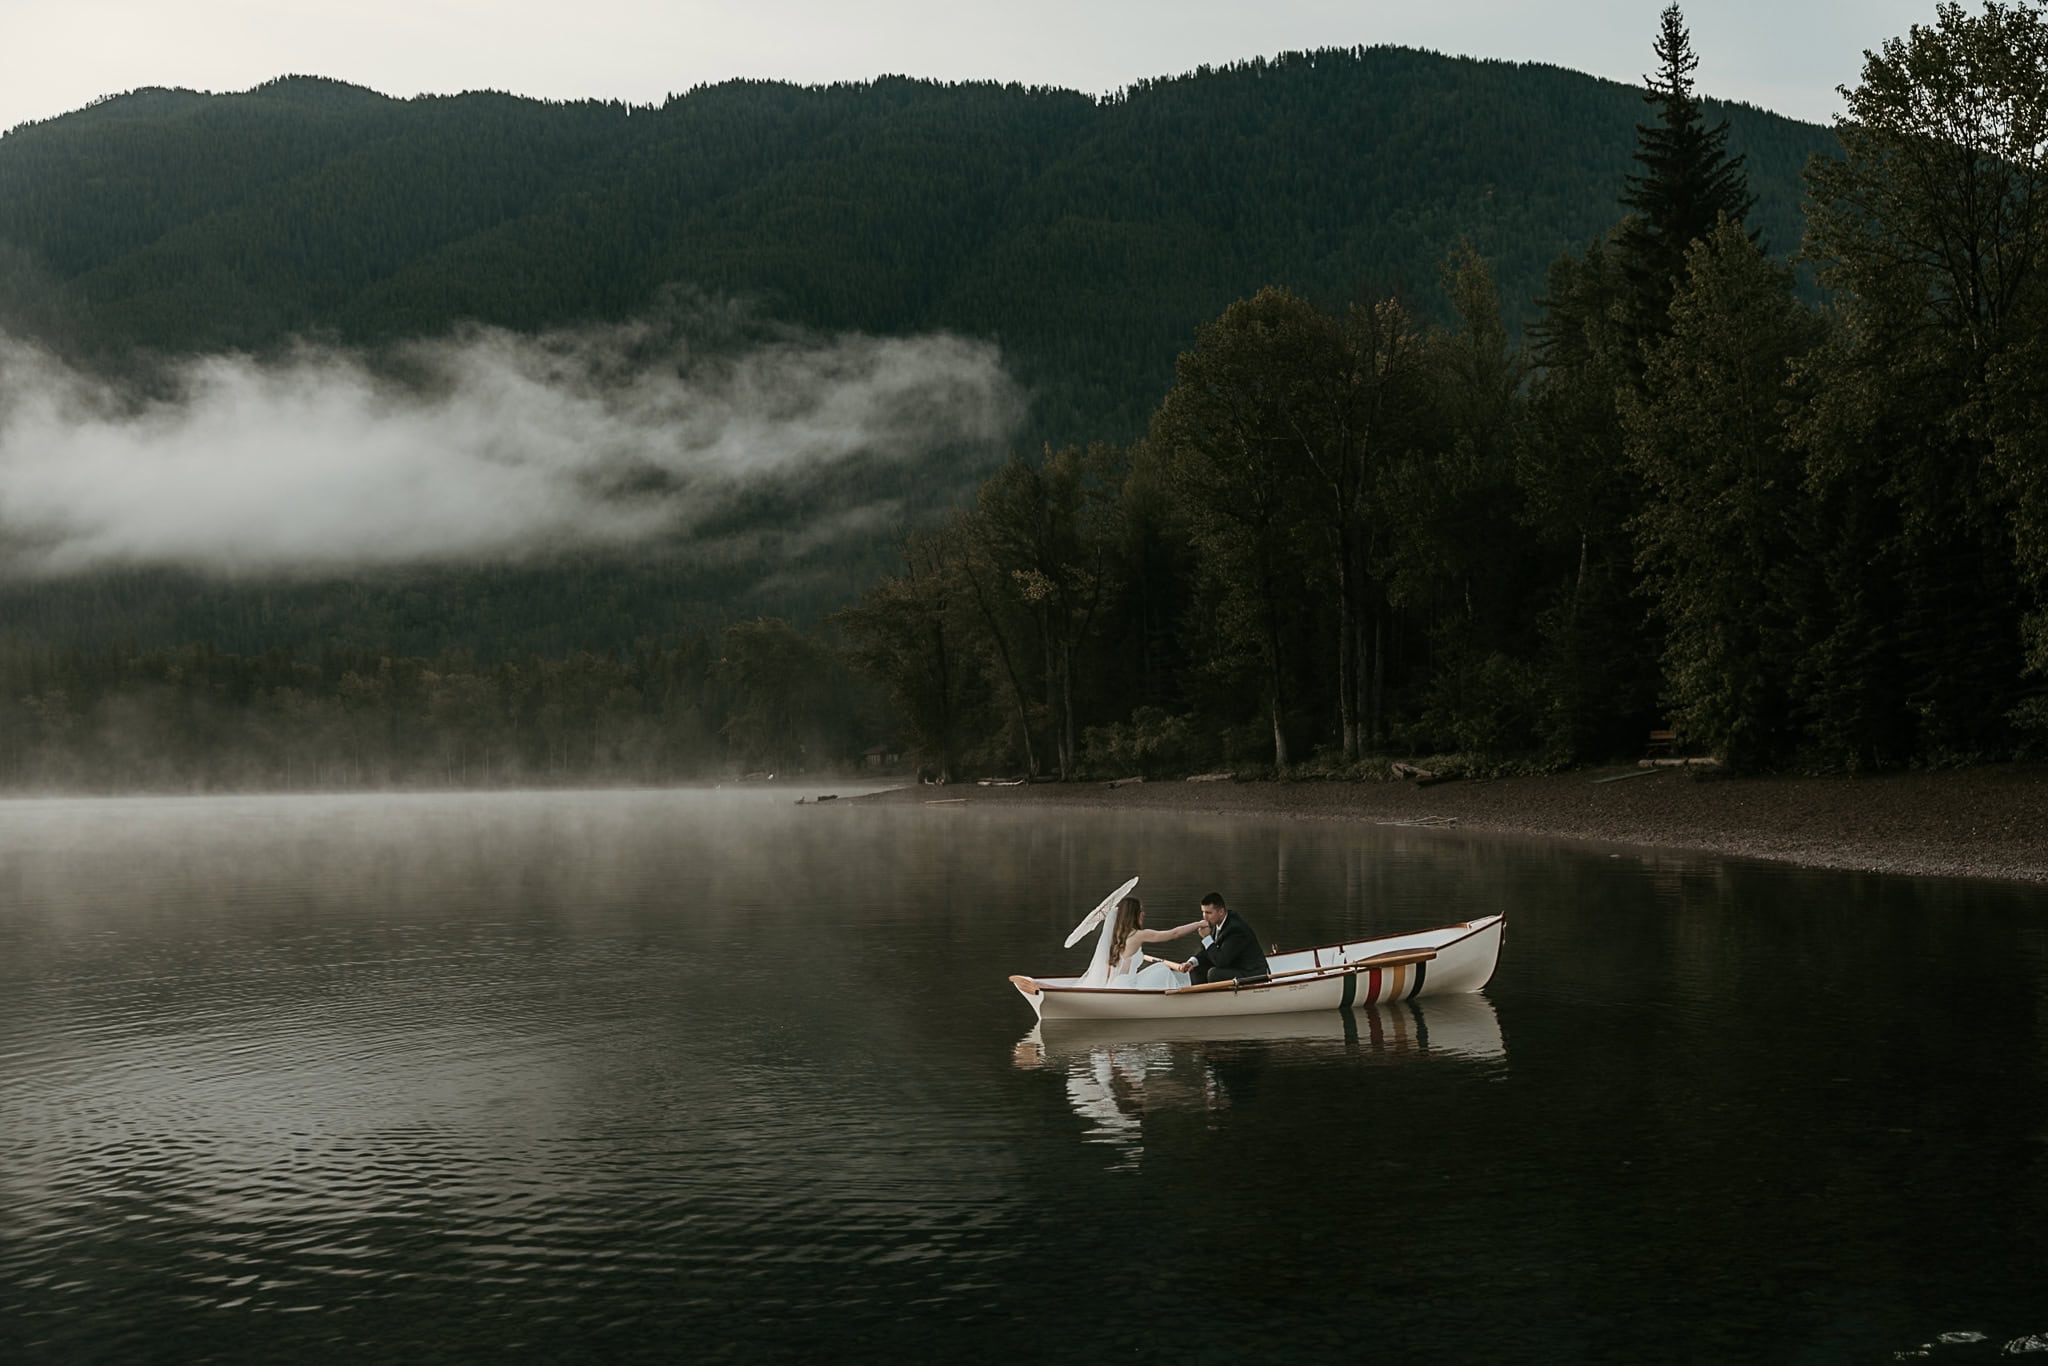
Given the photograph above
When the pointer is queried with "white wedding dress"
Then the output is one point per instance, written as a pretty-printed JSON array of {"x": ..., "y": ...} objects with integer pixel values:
[{"x": 1135, "y": 974}]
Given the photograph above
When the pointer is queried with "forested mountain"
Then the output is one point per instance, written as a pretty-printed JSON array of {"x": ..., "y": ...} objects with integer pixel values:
[
  {"x": 1288, "y": 484},
  {"x": 1087, "y": 236}
]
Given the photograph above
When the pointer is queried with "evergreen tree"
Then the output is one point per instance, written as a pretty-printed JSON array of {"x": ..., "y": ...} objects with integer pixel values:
[{"x": 1688, "y": 183}]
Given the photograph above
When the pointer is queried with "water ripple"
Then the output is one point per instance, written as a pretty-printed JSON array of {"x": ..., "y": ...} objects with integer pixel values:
[{"x": 591, "y": 1076}]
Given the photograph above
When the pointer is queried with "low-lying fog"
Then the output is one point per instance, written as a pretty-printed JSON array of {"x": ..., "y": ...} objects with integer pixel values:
[{"x": 496, "y": 447}]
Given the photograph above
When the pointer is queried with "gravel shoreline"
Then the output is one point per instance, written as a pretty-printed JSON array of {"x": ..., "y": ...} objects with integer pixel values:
[{"x": 1987, "y": 822}]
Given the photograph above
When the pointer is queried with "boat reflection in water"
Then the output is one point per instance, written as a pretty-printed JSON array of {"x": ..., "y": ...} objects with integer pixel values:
[{"x": 1119, "y": 1071}]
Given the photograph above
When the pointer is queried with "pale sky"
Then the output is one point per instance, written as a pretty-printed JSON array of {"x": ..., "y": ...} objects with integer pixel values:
[{"x": 56, "y": 55}]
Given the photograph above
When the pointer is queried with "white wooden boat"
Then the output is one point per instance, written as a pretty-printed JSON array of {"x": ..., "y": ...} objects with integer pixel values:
[{"x": 1395, "y": 967}]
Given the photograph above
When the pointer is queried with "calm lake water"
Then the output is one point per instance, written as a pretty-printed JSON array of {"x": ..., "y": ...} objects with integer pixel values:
[{"x": 717, "y": 1077}]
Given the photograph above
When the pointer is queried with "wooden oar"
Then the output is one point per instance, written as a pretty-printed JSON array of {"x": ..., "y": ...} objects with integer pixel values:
[{"x": 1399, "y": 959}]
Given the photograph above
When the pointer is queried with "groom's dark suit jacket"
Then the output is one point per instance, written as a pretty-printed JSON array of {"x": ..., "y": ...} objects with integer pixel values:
[{"x": 1235, "y": 953}]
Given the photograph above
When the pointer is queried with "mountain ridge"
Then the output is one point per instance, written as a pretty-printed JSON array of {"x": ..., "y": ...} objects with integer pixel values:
[
  {"x": 186, "y": 222},
  {"x": 1087, "y": 236}
]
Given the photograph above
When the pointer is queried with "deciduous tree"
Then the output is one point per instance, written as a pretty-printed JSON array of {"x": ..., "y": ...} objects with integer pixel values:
[
  {"x": 1710, "y": 436},
  {"x": 1929, "y": 231}
]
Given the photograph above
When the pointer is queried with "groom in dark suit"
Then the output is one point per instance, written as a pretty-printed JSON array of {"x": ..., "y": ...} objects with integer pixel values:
[{"x": 1233, "y": 954}]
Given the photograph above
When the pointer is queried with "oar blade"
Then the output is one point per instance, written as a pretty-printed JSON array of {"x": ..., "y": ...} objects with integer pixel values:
[{"x": 1094, "y": 917}]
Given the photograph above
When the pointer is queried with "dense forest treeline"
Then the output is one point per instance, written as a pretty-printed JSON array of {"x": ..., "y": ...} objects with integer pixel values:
[
  {"x": 1792, "y": 533},
  {"x": 760, "y": 698},
  {"x": 1499, "y": 424}
]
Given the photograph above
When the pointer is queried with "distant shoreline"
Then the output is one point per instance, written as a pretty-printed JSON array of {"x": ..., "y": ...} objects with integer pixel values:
[{"x": 1985, "y": 822}]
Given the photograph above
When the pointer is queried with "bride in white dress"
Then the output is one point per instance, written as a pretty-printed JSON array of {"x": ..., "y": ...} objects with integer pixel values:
[{"x": 1129, "y": 965}]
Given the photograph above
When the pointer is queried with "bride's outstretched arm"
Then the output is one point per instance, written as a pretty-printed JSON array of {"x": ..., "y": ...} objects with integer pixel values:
[{"x": 1163, "y": 936}]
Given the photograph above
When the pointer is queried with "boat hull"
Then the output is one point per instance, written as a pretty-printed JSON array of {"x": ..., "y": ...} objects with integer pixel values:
[{"x": 1452, "y": 958}]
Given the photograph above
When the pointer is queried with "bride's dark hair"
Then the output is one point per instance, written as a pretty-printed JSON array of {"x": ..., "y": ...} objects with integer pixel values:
[{"x": 1129, "y": 912}]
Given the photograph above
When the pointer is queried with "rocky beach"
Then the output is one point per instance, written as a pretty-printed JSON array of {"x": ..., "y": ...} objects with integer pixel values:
[{"x": 1984, "y": 822}]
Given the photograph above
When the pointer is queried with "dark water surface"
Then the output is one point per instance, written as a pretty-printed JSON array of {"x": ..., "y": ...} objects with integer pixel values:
[{"x": 714, "y": 1077}]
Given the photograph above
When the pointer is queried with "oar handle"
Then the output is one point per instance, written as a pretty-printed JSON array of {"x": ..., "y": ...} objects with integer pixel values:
[{"x": 1231, "y": 985}]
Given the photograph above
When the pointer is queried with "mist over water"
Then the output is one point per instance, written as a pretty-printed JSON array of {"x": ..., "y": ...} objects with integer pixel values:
[
  {"x": 627, "y": 1075},
  {"x": 495, "y": 447}
]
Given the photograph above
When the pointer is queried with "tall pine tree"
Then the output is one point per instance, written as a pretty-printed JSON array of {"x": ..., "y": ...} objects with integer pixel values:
[{"x": 1688, "y": 181}]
